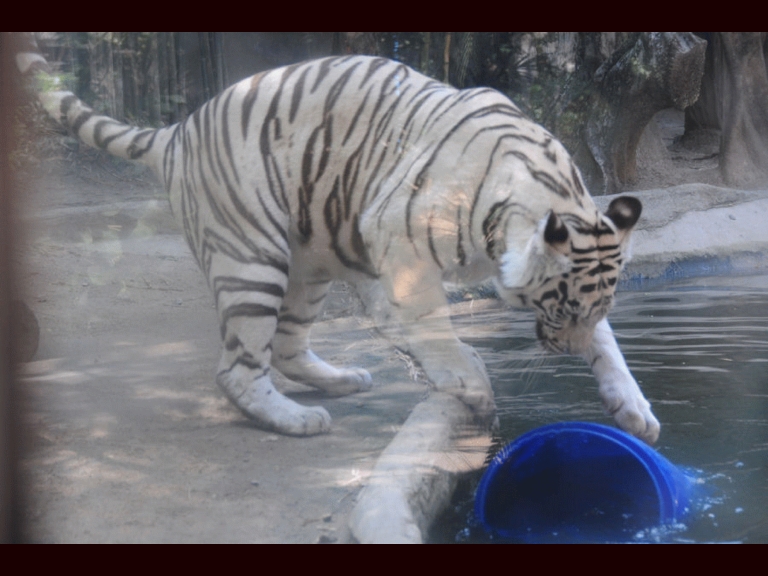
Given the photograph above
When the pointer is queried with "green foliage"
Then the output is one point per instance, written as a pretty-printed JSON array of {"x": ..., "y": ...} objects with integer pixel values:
[
  {"x": 147, "y": 79},
  {"x": 55, "y": 82}
]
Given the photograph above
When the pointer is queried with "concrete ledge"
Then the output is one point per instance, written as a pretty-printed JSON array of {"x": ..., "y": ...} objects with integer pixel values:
[{"x": 415, "y": 476}]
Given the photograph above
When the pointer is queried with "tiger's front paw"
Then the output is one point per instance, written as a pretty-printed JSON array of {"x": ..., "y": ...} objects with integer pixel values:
[{"x": 632, "y": 413}]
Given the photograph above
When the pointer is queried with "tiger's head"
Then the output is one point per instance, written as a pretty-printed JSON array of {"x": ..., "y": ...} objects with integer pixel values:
[{"x": 568, "y": 273}]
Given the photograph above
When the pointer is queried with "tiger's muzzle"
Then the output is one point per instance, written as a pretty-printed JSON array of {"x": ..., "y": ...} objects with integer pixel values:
[{"x": 575, "y": 338}]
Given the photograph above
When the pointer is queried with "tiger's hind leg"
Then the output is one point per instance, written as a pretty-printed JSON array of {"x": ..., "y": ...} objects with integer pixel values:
[
  {"x": 292, "y": 355},
  {"x": 248, "y": 312}
]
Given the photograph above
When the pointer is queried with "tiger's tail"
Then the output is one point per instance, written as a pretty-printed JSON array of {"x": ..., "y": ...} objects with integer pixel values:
[{"x": 96, "y": 130}]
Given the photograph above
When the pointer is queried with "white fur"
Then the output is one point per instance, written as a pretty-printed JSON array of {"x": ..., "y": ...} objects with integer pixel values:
[
  {"x": 622, "y": 397},
  {"x": 538, "y": 260}
]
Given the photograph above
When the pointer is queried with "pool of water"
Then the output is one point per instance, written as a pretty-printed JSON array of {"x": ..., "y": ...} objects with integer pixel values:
[{"x": 699, "y": 349}]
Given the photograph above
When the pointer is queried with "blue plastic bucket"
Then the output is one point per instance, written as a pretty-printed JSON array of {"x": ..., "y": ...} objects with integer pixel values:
[{"x": 579, "y": 481}]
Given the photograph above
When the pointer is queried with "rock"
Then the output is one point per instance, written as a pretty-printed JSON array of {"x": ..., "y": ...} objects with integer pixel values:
[{"x": 660, "y": 70}]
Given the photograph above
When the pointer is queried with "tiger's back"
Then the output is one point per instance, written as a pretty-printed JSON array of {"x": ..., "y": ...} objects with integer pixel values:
[{"x": 322, "y": 143}]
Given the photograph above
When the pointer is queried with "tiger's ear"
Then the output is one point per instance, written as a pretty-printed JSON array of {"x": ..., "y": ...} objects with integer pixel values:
[
  {"x": 544, "y": 256},
  {"x": 624, "y": 212},
  {"x": 555, "y": 233}
]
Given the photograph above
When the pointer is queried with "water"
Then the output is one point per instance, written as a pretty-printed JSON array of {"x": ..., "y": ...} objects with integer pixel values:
[{"x": 699, "y": 350}]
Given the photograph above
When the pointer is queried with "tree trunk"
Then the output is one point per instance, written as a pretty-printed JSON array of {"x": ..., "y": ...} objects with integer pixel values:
[
  {"x": 106, "y": 83},
  {"x": 741, "y": 82},
  {"x": 132, "y": 76},
  {"x": 175, "y": 87},
  {"x": 703, "y": 115},
  {"x": 425, "y": 46},
  {"x": 447, "y": 58},
  {"x": 466, "y": 52},
  {"x": 209, "y": 59},
  {"x": 153, "y": 81}
]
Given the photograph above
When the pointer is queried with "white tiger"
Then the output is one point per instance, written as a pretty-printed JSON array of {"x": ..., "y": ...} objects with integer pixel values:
[{"x": 361, "y": 169}]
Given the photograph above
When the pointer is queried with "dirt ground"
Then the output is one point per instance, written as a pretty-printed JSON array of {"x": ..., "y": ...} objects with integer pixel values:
[{"x": 130, "y": 439}]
